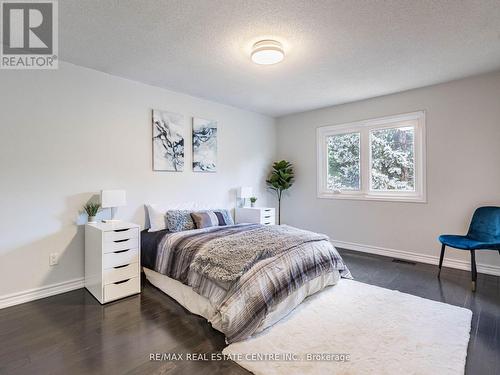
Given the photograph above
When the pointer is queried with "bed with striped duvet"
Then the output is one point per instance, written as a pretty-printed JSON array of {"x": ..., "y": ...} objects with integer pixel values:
[{"x": 247, "y": 270}]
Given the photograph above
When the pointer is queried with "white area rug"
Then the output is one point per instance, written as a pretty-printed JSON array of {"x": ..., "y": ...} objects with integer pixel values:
[{"x": 383, "y": 331}]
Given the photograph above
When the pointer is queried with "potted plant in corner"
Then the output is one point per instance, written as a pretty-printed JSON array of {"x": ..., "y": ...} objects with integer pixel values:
[
  {"x": 252, "y": 201},
  {"x": 280, "y": 179},
  {"x": 92, "y": 209}
]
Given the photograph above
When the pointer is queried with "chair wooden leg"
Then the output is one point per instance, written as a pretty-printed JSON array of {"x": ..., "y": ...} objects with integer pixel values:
[
  {"x": 473, "y": 269},
  {"x": 441, "y": 257}
]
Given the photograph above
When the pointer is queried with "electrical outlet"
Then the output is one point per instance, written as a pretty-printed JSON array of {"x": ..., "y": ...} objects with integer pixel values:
[{"x": 53, "y": 259}]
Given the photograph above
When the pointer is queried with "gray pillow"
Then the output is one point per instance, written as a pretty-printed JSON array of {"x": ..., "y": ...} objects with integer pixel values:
[
  {"x": 179, "y": 220},
  {"x": 207, "y": 219}
]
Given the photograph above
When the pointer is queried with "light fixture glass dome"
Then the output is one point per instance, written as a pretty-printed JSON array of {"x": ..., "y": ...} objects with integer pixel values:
[{"x": 267, "y": 52}]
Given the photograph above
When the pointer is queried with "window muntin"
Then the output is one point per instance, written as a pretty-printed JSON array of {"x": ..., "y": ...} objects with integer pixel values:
[{"x": 377, "y": 159}]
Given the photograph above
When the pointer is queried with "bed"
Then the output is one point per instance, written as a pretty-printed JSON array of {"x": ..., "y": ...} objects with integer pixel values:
[{"x": 242, "y": 278}]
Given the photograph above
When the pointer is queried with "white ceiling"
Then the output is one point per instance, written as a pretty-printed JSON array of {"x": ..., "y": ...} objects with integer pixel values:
[{"x": 336, "y": 51}]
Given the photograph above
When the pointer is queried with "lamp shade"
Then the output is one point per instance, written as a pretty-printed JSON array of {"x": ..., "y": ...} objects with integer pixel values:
[
  {"x": 113, "y": 198},
  {"x": 245, "y": 192}
]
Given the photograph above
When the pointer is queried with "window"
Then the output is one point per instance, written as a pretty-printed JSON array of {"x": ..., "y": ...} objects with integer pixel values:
[
  {"x": 343, "y": 162},
  {"x": 379, "y": 159}
]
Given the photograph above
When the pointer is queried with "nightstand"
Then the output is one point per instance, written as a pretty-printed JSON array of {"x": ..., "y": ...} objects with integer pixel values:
[
  {"x": 259, "y": 215},
  {"x": 112, "y": 260}
]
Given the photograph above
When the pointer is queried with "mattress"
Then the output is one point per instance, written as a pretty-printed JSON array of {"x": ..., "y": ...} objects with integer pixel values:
[{"x": 199, "y": 305}]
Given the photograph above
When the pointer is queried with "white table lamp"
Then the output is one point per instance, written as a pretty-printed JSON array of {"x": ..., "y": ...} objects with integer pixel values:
[
  {"x": 244, "y": 193},
  {"x": 113, "y": 199}
]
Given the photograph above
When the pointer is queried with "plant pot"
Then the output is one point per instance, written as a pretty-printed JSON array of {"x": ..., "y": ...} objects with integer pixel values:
[
  {"x": 252, "y": 204},
  {"x": 92, "y": 219}
]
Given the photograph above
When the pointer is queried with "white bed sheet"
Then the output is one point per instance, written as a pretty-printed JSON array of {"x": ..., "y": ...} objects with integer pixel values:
[{"x": 200, "y": 305}]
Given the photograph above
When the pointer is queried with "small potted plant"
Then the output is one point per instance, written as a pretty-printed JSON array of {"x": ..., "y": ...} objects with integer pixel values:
[
  {"x": 92, "y": 209},
  {"x": 252, "y": 201}
]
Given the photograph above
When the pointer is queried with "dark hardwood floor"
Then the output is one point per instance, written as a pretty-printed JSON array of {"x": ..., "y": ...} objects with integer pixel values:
[{"x": 73, "y": 334}]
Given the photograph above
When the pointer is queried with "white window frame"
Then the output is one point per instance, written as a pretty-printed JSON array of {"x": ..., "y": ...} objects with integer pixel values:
[{"x": 414, "y": 119}]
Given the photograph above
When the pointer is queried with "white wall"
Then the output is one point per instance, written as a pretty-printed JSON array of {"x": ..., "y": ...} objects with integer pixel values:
[
  {"x": 463, "y": 169},
  {"x": 66, "y": 134}
]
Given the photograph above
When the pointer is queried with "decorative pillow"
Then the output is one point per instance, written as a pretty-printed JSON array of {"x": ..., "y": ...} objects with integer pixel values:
[
  {"x": 207, "y": 219},
  {"x": 178, "y": 220},
  {"x": 228, "y": 219}
]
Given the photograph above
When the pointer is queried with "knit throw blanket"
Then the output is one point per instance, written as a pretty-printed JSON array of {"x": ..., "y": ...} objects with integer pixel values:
[{"x": 227, "y": 258}]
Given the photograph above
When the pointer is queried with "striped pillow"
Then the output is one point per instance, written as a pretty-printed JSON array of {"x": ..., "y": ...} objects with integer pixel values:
[{"x": 208, "y": 219}]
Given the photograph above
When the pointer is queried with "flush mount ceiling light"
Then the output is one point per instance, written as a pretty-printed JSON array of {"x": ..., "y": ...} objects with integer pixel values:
[{"x": 267, "y": 52}]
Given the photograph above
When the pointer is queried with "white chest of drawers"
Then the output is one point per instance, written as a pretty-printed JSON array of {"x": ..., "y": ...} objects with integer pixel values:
[
  {"x": 258, "y": 215},
  {"x": 112, "y": 260}
]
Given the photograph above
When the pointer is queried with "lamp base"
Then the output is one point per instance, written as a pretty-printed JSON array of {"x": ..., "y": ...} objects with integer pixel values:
[{"x": 113, "y": 217}]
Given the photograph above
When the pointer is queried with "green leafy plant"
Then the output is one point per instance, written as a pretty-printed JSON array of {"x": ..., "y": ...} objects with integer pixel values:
[
  {"x": 253, "y": 199},
  {"x": 92, "y": 208},
  {"x": 280, "y": 179}
]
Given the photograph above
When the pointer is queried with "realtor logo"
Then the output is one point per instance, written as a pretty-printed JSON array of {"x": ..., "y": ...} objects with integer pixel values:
[{"x": 29, "y": 34}]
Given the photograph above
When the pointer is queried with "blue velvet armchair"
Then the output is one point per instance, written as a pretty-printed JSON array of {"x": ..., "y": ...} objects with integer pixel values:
[{"x": 483, "y": 234}]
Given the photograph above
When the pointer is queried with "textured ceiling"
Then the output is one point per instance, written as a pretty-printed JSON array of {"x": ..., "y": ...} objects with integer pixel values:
[{"x": 336, "y": 51}]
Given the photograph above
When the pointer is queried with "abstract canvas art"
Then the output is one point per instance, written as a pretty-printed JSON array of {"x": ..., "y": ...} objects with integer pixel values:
[
  {"x": 204, "y": 145},
  {"x": 168, "y": 141}
]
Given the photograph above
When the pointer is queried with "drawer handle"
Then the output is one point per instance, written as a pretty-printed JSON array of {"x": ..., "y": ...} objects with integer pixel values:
[
  {"x": 118, "y": 241},
  {"x": 120, "y": 251},
  {"x": 267, "y": 217},
  {"x": 121, "y": 230},
  {"x": 121, "y": 282},
  {"x": 125, "y": 265},
  {"x": 269, "y": 210}
]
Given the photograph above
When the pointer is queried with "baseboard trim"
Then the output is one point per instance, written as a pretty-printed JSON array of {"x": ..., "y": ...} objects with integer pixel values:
[
  {"x": 67, "y": 286},
  {"x": 42, "y": 292},
  {"x": 415, "y": 257}
]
